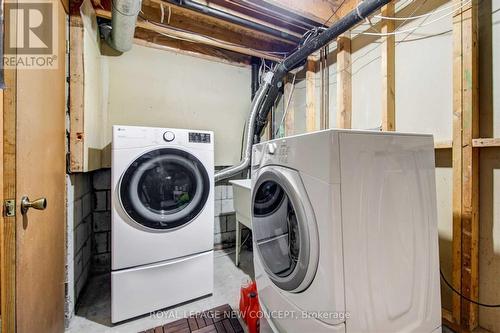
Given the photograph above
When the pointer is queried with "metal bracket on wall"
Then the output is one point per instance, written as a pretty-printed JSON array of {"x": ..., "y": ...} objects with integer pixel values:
[{"x": 10, "y": 207}]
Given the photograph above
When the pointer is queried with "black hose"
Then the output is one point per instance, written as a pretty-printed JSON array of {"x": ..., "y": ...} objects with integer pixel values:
[
  {"x": 363, "y": 10},
  {"x": 465, "y": 297}
]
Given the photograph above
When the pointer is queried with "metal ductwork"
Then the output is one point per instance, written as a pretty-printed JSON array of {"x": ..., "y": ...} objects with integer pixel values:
[
  {"x": 247, "y": 156},
  {"x": 123, "y": 19},
  {"x": 268, "y": 92}
]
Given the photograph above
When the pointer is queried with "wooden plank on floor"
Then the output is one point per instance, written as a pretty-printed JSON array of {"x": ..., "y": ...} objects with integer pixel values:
[
  {"x": 177, "y": 326},
  {"x": 227, "y": 326},
  {"x": 220, "y": 327},
  {"x": 207, "y": 329},
  {"x": 344, "y": 82},
  {"x": 193, "y": 325},
  {"x": 217, "y": 320},
  {"x": 201, "y": 322},
  {"x": 388, "y": 70}
]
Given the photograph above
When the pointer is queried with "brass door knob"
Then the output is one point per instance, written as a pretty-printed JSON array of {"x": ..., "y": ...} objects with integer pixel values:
[{"x": 26, "y": 204}]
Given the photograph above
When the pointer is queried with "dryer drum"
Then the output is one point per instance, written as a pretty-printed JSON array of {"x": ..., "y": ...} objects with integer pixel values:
[
  {"x": 281, "y": 230},
  {"x": 164, "y": 189}
]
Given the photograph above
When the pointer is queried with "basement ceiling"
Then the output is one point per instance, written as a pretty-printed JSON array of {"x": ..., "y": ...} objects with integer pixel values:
[{"x": 169, "y": 24}]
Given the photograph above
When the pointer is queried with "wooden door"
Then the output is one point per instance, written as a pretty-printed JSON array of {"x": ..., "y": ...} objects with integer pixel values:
[{"x": 33, "y": 246}]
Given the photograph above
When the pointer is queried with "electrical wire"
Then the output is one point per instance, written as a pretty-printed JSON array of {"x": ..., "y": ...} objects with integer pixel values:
[
  {"x": 145, "y": 19},
  {"x": 393, "y": 18},
  {"x": 333, "y": 14},
  {"x": 399, "y": 31},
  {"x": 465, "y": 297},
  {"x": 287, "y": 105}
]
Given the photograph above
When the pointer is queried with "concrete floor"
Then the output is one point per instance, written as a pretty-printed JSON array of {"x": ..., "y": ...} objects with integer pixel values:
[{"x": 93, "y": 310}]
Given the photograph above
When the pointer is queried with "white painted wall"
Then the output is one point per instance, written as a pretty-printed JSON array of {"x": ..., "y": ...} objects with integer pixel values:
[
  {"x": 150, "y": 87},
  {"x": 157, "y": 88}
]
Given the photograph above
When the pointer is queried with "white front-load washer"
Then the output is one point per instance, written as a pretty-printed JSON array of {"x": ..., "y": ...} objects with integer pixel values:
[
  {"x": 345, "y": 232},
  {"x": 162, "y": 218}
]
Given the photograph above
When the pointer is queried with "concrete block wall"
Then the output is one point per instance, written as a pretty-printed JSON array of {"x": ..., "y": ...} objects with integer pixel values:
[
  {"x": 225, "y": 217},
  {"x": 101, "y": 250},
  {"x": 78, "y": 238}
]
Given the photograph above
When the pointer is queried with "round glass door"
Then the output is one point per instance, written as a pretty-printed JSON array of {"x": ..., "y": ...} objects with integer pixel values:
[
  {"x": 164, "y": 189},
  {"x": 280, "y": 229}
]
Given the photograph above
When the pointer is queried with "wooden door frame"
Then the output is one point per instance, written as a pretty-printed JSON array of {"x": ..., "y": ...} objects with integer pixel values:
[
  {"x": 8, "y": 127},
  {"x": 8, "y": 186}
]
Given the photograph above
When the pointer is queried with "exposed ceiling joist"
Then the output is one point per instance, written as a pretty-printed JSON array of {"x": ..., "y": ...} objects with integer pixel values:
[
  {"x": 199, "y": 38},
  {"x": 319, "y": 11}
]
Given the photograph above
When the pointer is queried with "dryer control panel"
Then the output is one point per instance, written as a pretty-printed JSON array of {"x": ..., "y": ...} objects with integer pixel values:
[{"x": 197, "y": 137}]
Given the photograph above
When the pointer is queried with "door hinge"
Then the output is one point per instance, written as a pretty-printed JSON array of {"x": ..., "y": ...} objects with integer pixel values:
[{"x": 10, "y": 207}]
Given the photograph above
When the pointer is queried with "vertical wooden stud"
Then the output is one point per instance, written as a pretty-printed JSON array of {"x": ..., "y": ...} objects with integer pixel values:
[
  {"x": 324, "y": 121},
  {"x": 388, "y": 71},
  {"x": 290, "y": 112},
  {"x": 465, "y": 166},
  {"x": 76, "y": 95},
  {"x": 344, "y": 82},
  {"x": 310, "y": 95}
]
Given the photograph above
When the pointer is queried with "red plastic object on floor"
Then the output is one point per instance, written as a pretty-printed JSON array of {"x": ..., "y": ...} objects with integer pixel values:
[
  {"x": 249, "y": 306},
  {"x": 246, "y": 288},
  {"x": 253, "y": 314}
]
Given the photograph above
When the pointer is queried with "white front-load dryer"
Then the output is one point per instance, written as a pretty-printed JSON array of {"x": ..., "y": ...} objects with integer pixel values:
[
  {"x": 162, "y": 218},
  {"x": 345, "y": 232}
]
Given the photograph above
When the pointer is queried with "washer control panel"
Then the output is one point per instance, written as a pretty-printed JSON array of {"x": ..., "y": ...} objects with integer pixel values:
[
  {"x": 169, "y": 136},
  {"x": 197, "y": 137}
]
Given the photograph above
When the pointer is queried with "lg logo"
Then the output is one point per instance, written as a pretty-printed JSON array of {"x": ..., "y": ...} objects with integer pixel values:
[{"x": 30, "y": 28}]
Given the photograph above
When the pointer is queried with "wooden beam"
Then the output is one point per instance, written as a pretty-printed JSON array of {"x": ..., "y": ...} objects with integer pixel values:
[
  {"x": 457, "y": 166},
  {"x": 195, "y": 38},
  {"x": 470, "y": 167},
  {"x": 388, "y": 71},
  {"x": 447, "y": 318},
  {"x": 154, "y": 40},
  {"x": 182, "y": 17},
  {"x": 476, "y": 143},
  {"x": 485, "y": 143},
  {"x": 76, "y": 95},
  {"x": 316, "y": 10},
  {"x": 344, "y": 82},
  {"x": 263, "y": 14},
  {"x": 289, "y": 107},
  {"x": 443, "y": 145},
  {"x": 324, "y": 120},
  {"x": 310, "y": 95},
  {"x": 465, "y": 166}
]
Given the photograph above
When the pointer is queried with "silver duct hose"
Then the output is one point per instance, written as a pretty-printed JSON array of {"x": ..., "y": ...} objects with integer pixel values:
[
  {"x": 254, "y": 110},
  {"x": 123, "y": 18}
]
